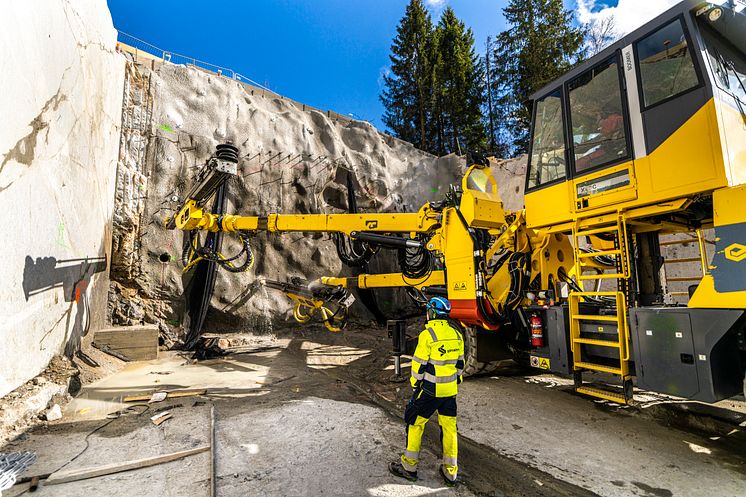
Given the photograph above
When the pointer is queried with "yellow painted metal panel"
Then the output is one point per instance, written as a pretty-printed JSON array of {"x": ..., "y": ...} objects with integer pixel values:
[
  {"x": 706, "y": 297},
  {"x": 548, "y": 205},
  {"x": 689, "y": 161},
  {"x": 733, "y": 136},
  {"x": 729, "y": 205}
]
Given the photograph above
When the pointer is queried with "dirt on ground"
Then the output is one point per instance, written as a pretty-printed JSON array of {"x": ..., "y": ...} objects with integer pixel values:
[
  {"x": 313, "y": 413},
  {"x": 63, "y": 378}
]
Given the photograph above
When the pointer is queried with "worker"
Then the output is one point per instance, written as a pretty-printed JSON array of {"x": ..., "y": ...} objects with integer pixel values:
[{"x": 437, "y": 369}]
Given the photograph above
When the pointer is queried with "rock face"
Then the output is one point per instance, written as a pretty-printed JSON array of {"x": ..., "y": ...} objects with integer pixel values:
[
  {"x": 293, "y": 159},
  {"x": 61, "y": 83}
]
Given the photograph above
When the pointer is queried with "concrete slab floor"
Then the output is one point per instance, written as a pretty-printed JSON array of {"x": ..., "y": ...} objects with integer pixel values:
[{"x": 319, "y": 417}]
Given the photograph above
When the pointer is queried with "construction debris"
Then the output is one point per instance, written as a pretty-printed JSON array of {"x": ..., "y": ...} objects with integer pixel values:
[
  {"x": 158, "y": 397},
  {"x": 13, "y": 464},
  {"x": 108, "y": 469},
  {"x": 129, "y": 343},
  {"x": 54, "y": 413},
  {"x": 211, "y": 347},
  {"x": 169, "y": 394},
  {"x": 159, "y": 418}
]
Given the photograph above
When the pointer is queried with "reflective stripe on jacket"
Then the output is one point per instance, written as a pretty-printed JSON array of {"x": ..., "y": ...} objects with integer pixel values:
[{"x": 438, "y": 361}]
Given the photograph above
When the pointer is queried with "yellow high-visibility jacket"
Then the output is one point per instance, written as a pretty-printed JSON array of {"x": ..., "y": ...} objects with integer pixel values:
[{"x": 438, "y": 361}]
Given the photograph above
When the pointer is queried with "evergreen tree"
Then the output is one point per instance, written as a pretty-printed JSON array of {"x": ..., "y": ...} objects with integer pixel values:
[
  {"x": 458, "y": 88},
  {"x": 539, "y": 45},
  {"x": 407, "y": 95}
]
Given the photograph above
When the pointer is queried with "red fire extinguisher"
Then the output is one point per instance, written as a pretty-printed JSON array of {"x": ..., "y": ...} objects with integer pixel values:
[{"x": 537, "y": 331}]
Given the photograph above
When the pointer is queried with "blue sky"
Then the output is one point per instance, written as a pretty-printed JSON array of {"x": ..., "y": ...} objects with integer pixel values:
[{"x": 326, "y": 53}]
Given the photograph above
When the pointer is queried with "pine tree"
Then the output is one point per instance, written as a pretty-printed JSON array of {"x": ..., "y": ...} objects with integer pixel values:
[
  {"x": 407, "y": 95},
  {"x": 458, "y": 88},
  {"x": 539, "y": 45}
]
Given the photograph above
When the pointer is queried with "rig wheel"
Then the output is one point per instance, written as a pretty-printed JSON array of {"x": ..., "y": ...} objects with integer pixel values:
[{"x": 473, "y": 365}]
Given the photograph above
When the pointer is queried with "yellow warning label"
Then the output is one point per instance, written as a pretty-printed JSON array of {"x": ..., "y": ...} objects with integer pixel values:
[
  {"x": 539, "y": 362},
  {"x": 459, "y": 286}
]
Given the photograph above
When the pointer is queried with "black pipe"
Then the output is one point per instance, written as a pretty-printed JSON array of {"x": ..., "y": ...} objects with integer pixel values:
[
  {"x": 385, "y": 240},
  {"x": 439, "y": 291}
]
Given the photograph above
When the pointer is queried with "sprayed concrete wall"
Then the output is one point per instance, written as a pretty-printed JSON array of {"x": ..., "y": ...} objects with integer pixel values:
[
  {"x": 293, "y": 159},
  {"x": 61, "y": 95}
]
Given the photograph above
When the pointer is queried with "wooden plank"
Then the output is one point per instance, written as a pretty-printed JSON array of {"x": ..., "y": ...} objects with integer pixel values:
[
  {"x": 126, "y": 341},
  {"x": 132, "y": 350},
  {"x": 108, "y": 469},
  {"x": 129, "y": 354},
  {"x": 144, "y": 335},
  {"x": 133, "y": 343},
  {"x": 212, "y": 450},
  {"x": 171, "y": 395}
]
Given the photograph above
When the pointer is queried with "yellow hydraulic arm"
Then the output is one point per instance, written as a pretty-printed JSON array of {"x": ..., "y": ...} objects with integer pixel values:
[
  {"x": 194, "y": 217},
  {"x": 458, "y": 231}
]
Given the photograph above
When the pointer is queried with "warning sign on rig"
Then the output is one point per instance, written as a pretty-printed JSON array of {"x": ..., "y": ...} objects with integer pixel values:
[
  {"x": 459, "y": 286},
  {"x": 539, "y": 362}
]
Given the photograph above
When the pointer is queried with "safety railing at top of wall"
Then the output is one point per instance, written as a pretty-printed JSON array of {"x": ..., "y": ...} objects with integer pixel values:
[{"x": 144, "y": 46}]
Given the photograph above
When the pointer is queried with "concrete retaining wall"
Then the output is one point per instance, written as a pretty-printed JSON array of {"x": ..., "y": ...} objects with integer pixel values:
[{"x": 61, "y": 97}]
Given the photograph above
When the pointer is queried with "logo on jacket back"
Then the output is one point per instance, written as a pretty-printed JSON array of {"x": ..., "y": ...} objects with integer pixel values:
[{"x": 442, "y": 349}]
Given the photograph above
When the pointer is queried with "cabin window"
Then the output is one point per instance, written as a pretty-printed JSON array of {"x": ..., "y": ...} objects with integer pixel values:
[
  {"x": 728, "y": 62},
  {"x": 665, "y": 63},
  {"x": 597, "y": 117},
  {"x": 548, "y": 142}
]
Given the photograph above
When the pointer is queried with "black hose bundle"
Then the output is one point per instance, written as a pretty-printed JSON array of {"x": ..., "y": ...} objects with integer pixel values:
[
  {"x": 194, "y": 251},
  {"x": 520, "y": 275},
  {"x": 415, "y": 262},
  {"x": 605, "y": 300},
  {"x": 353, "y": 253},
  {"x": 418, "y": 298}
]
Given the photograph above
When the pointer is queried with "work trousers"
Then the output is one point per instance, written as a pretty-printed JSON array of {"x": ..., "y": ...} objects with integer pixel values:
[{"x": 418, "y": 412}]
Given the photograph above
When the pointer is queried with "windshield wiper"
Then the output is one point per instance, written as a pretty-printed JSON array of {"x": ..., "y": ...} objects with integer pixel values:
[
  {"x": 729, "y": 64},
  {"x": 725, "y": 65}
]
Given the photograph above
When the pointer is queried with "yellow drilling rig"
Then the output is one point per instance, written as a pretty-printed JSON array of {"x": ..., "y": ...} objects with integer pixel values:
[{"x": 647, "y": 137}]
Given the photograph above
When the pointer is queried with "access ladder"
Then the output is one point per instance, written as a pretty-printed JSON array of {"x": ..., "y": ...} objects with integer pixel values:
[{"x": 620, "y": 364}]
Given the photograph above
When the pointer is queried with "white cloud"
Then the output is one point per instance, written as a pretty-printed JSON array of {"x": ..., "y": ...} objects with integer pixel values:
[
  {"x": 436, "y": 4},
  {"x": 383, "y": 73},
  {"x": 628, "y": 14}
]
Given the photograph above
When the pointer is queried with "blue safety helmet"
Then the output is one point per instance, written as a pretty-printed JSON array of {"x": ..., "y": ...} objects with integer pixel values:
[{"x": 439, "y": 305}]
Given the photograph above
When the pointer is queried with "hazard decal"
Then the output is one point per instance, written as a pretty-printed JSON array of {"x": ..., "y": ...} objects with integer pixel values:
[
  {"x": 459, "y": 286},
  {"x": 539, "y": 362}
]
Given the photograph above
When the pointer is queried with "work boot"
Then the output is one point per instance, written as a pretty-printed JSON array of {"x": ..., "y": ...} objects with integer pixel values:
[
  {"x": 449, "y": 482},
  {"x": 396, "y": 469}
]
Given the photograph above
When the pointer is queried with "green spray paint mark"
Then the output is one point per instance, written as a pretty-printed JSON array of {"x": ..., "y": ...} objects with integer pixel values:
[
  {"x": 434, "y": 190},
  {"x": 166, "y": 127},
  {"x": 61, "y": 235},
  {"x": 173, "y": 322}
]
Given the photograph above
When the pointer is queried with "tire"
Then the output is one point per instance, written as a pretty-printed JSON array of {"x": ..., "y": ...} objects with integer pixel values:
[{"x": 473, "y": 366}]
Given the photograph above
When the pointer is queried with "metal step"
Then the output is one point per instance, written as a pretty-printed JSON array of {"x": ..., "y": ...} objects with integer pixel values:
[
  {"x": 599, "y": 253},
  {"x": 595, "y": 317},
  {"x": 599, "y": 367},
  {"x": 596, "y": 231},
  {"x": 603, "y": 394},
  {"x": 603, "y": 276},
  {"x": 593, "y": 341}
]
